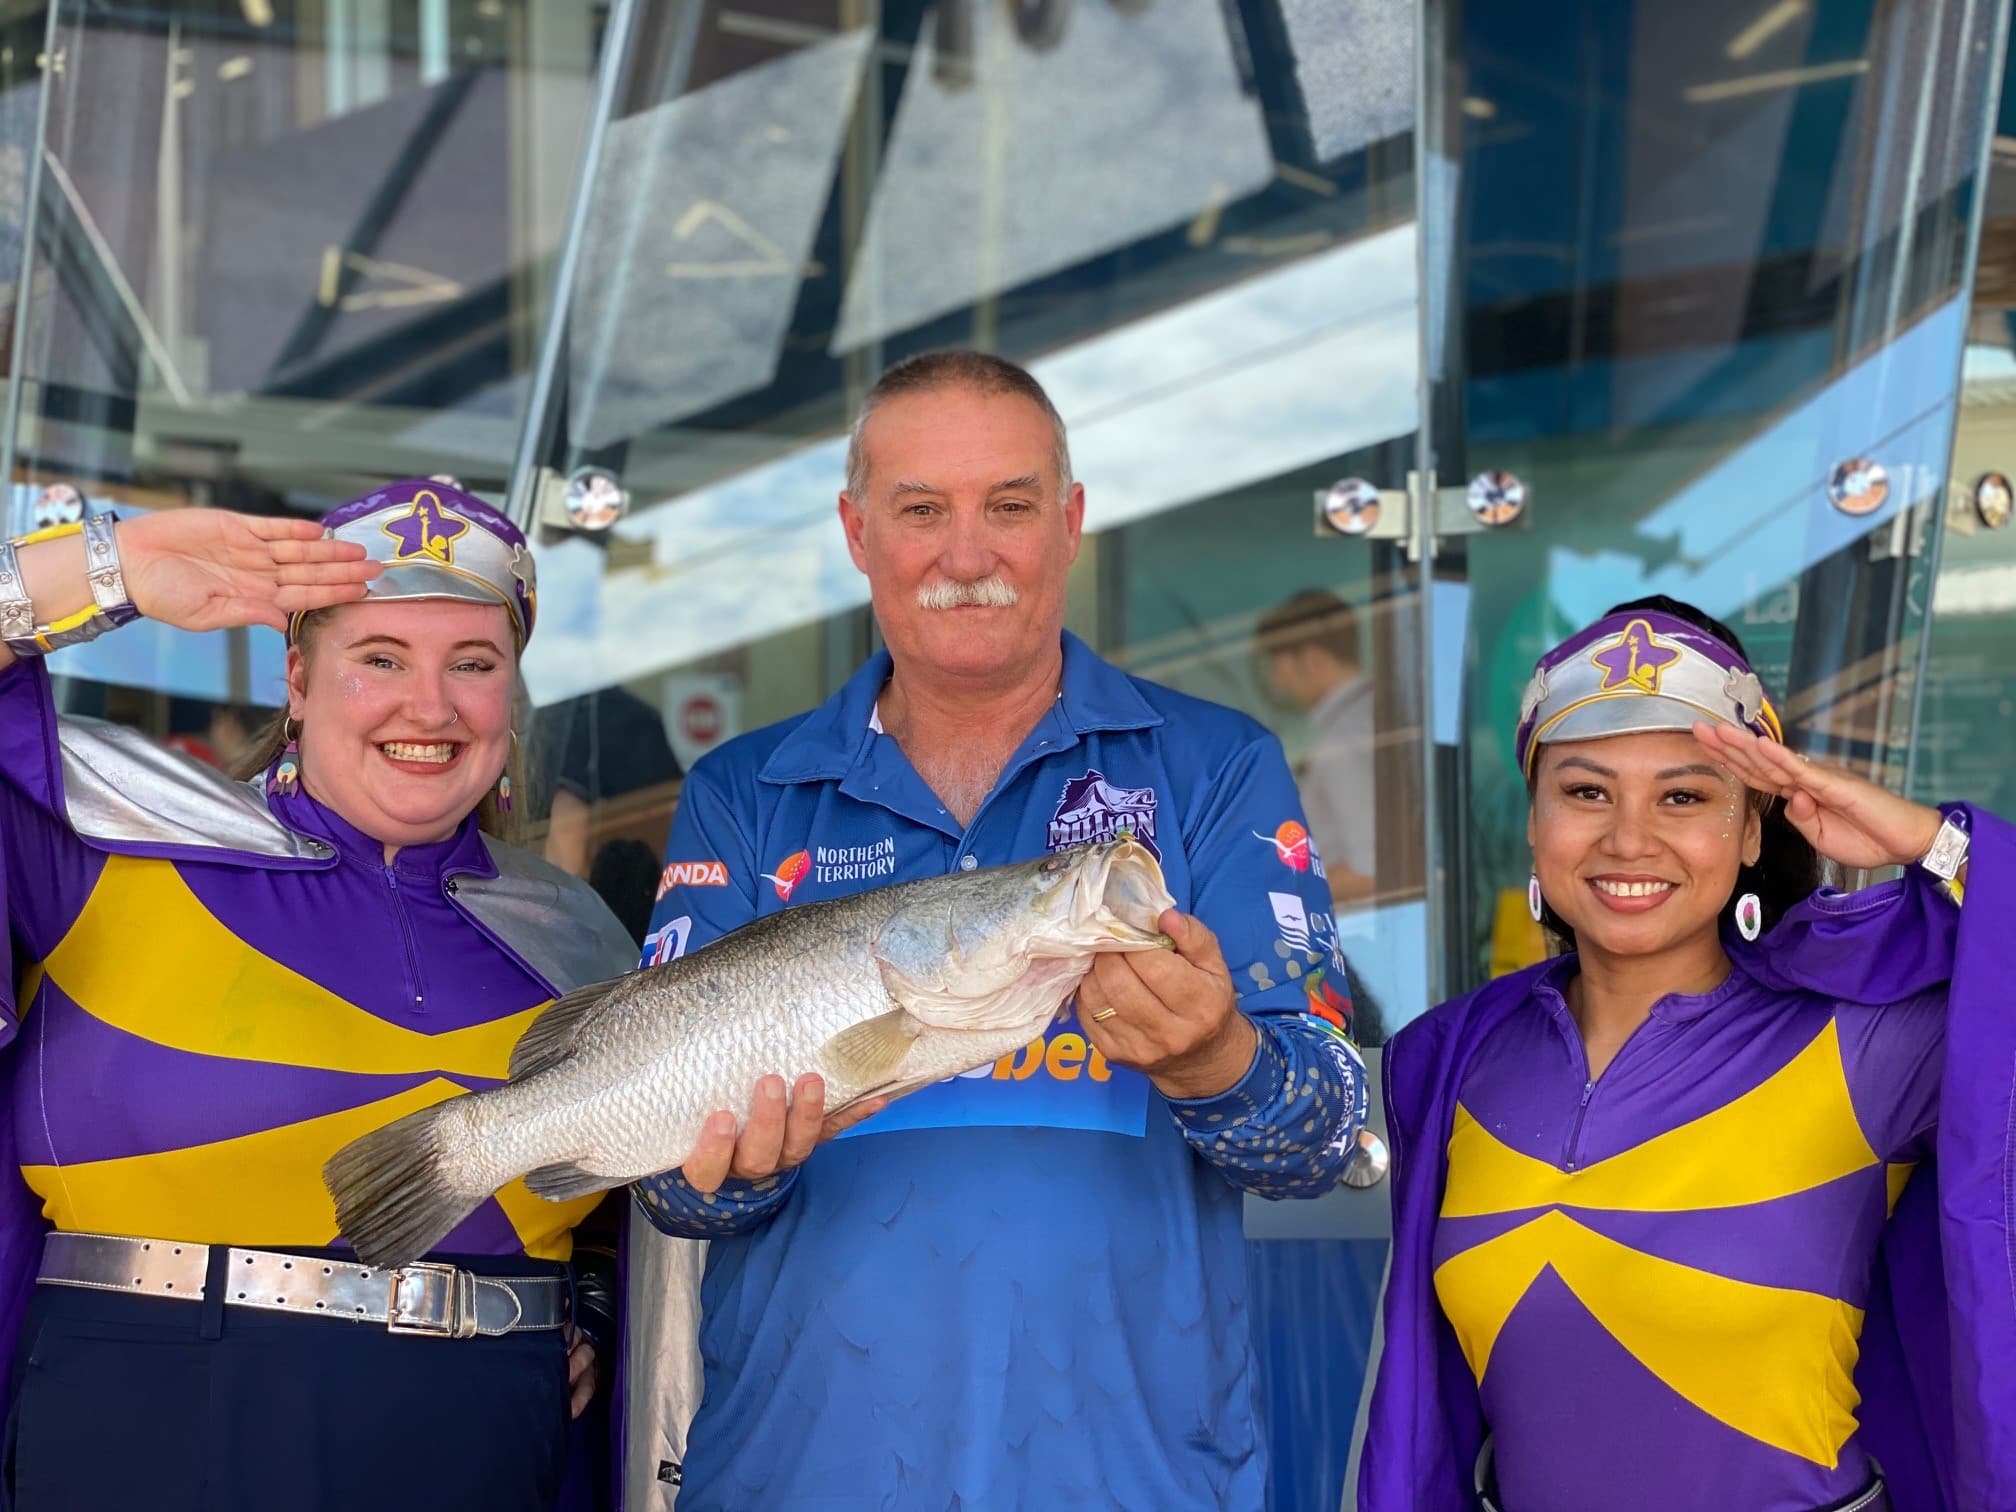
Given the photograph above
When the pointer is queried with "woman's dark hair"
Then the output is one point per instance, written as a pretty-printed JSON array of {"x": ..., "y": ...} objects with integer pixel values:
[{"x": 1788, "y": 869}]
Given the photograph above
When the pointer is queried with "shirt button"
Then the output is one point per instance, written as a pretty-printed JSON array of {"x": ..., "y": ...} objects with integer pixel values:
[{"x": 968, "y": 862}]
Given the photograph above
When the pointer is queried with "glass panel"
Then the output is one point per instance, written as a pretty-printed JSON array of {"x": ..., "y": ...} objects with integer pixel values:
[
  {"x": 1196, "y": 224},
  {"x": 308, "y": 250},
  {"x": 1968, "y": 695},
  {"x": 1705, "y": 255}
]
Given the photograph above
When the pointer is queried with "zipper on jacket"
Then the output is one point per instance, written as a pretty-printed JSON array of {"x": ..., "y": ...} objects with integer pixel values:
[
  {"x": 406, "y": 932},
  {"x": 1575, "y": 1130}
]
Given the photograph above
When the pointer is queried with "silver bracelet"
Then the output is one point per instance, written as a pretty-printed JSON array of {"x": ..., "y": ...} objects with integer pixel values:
[
  {"x": 110, "y": 605},
  {"x": 17, "y": 611},
  {"x": 1949, "y": 851}
]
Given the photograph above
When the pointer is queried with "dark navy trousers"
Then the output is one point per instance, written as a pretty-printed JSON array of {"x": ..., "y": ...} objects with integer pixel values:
[{"x": 123, "y": 1402}]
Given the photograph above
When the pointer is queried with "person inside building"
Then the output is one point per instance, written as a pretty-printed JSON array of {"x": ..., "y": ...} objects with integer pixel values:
[
  {"x": 1669, "y": 1208},
  {"x": 1026, "y": 1286},
  {"x": 212, "y": 986},
  {"x": 1309, "y": 652}
]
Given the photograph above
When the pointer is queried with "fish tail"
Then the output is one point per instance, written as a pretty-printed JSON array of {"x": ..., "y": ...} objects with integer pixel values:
[{"x": 396, "y": 1196}]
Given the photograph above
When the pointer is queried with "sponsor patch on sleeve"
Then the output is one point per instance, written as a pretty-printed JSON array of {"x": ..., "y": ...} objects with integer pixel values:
[
  {"x": 667, "y": 943},
  {"x": 1309, "y": 954},
  {"x": 692, "y": 874}
]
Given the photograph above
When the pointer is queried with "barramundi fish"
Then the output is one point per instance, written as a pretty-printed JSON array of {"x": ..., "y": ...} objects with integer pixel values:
[{"x": 880, "y": 994}]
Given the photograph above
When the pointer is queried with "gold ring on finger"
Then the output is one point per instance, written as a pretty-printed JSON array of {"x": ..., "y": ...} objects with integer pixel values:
[{"x": 1104, "y": 1014}]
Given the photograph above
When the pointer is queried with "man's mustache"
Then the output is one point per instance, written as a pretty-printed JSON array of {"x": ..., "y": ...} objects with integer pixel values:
[{"x": 981, "y": 593}]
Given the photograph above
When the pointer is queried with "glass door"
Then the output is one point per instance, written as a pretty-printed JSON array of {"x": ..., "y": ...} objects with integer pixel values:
[
  {"x": 1197, "y": 223},
  {"x": 1706, "y": 305}
]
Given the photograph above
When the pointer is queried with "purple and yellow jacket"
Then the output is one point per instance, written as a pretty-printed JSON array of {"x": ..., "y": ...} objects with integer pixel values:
[
  {"x": 208, "y": 990},
  {"x": 1769, "y": 1247}
]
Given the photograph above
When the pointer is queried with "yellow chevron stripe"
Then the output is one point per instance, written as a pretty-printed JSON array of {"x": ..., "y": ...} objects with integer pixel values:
[
  {"x": 144, "y": 938},
  {"x": 264, "y": 1188},
  {"x": 1747, "y": 1356},
  {"x": 1897, "y": 1178},
  {"x": 25, "y": 990},
  {"x": 1736, "y": 1154}
]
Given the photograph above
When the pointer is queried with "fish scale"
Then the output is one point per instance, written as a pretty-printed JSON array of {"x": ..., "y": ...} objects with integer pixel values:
[{"x": 880, "y": 993}]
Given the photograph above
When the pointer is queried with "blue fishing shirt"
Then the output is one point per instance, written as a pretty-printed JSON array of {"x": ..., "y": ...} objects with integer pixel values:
[{"x": 1025, "y": 1286}]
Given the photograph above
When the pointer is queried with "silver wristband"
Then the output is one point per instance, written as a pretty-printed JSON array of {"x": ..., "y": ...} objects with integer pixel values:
[
  {"x": 1949, "y": 851},
  {"x": 103, "y": 572}
]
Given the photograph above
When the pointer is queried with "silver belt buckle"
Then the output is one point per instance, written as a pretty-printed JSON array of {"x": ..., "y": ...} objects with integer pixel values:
[{"x": 432, "y": 1300}]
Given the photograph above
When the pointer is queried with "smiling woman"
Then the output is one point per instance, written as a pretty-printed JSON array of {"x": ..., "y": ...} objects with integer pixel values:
[
  {"x": 403, "y": 713},
  {"x": 1597, "y": 801},
  {"x": 330, "y": 945},
  {"x": 1649, "y": 1193}
]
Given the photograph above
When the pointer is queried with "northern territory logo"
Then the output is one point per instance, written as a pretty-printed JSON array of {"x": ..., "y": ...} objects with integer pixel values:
[
  {"x": 830, "y": 864},
  {"x": 1294, "y": 849},
  {"x": 790, "y": 872},
  {"x": 1093, "y": 809}
]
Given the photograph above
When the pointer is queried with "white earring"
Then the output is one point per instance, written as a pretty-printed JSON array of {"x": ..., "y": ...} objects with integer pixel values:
[
  {"x": 1534, "y": 905},
  {"x": 1750, "y": 916}
]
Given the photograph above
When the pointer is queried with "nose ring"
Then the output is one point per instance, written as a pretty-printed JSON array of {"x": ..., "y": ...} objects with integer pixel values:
[{"x": 456, "y": 717}]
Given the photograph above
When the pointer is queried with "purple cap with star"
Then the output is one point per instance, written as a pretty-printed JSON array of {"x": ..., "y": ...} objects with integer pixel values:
[
  {"x": 438, "y": 542},
  {"x": 1635, "y": 672}
]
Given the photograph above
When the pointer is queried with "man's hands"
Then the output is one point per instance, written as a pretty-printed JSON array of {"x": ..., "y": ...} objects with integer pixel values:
[
  {"x": 1171, "y": 1014},
  {"x": 781, "y": 1133}
]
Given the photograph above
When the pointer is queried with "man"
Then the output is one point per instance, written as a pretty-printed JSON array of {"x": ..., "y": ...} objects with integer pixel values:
[
  {"x": 1025, "y": 1286},
  {"x": 1310, "y": 650}
]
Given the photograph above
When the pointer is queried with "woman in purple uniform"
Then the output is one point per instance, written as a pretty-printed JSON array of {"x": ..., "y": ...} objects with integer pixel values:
[
  {"x": 1669, "y": 1208},
  {"x": 212, "y": 986}
]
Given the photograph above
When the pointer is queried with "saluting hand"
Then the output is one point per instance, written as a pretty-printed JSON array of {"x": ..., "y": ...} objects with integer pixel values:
[
  {"x": 1171, "y": 1014},
  {"x": 207, "y": 569},
  {"x": 1848, "y": 819}
]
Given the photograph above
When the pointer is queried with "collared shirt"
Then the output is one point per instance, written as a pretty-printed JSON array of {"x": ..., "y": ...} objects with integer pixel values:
[
  {"x": 195, "y": 1034},
  {"x": 1025, "y": 1286},
  {"x": 1658, "y": 1278}
]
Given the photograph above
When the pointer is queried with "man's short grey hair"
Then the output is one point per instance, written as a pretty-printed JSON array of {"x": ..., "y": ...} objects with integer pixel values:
[{"x": 979, "y": 372}]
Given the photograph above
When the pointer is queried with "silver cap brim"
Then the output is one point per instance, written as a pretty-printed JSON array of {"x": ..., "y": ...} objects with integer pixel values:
[{"x": 1629, "y": 714}]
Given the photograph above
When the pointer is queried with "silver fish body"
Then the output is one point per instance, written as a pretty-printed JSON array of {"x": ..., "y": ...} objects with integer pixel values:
[{"x": 880, "y": 994}]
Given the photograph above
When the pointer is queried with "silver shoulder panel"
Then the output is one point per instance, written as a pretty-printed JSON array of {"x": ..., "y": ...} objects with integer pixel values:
[
  {"x": 120, "y": 788},
  {"x": 555, "y": 922}
]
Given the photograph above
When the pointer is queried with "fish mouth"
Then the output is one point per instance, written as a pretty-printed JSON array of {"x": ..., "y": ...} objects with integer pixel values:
[{"x": 1121, "y": 894}]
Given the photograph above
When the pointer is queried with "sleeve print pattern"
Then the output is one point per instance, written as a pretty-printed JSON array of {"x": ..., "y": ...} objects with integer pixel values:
[
  {"x": 1288, "y": 1128},
  {"x": 675, "y": 1208}
]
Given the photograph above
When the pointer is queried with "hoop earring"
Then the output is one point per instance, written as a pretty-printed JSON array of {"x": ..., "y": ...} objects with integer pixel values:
[
  {"x": 1749, "y": 916},
  {"x": 1535, "y": 905},
  {"x": 287, "y": 776},
  {"x": 504, "y": 778}
]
